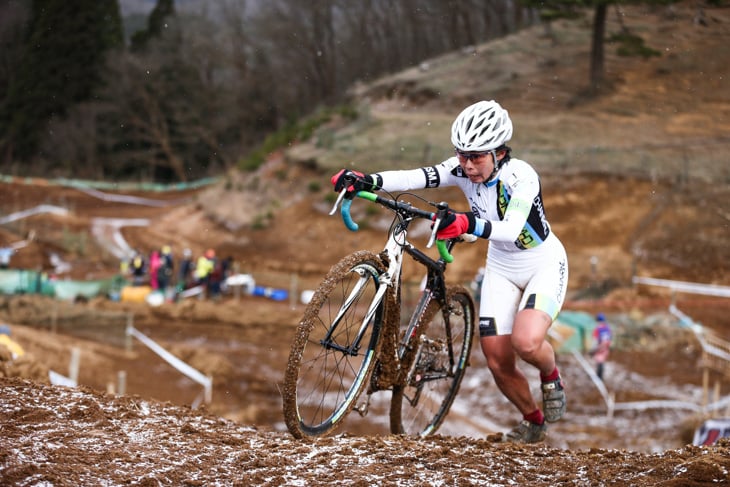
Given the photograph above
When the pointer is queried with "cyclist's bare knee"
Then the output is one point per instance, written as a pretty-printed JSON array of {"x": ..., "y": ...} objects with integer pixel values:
[{"x": 529, "y": 331}]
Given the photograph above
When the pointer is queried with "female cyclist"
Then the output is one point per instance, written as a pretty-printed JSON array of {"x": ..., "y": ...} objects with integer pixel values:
[{"x": 526, "y": 273}]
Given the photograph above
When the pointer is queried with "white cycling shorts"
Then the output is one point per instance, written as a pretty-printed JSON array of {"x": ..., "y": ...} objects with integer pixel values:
[{"x": 514, "y": 280}]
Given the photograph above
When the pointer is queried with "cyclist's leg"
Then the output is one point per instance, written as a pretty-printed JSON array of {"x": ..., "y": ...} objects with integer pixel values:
[
  {"x": 498, "y": 304},
  {"x": 529, "y": 339},
  {"x": 543, "y": 297},
  {"x": 542, "y": 300},
  {"x": 510, "y": 380}
]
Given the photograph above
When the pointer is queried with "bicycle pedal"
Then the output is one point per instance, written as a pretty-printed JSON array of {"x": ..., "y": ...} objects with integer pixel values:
[{"x": 362, "y": 409}]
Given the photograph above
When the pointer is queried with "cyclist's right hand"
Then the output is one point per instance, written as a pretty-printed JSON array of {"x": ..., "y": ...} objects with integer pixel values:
[
  {"x": 455, "y": 224},
  {"x": 362, "y": 181}
]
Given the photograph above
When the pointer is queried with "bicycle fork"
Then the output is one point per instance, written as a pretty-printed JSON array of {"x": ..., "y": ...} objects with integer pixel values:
[{"x": 354, "y": 347}]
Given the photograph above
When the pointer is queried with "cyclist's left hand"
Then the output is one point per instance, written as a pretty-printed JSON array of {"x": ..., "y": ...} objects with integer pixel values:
[{"x": 455, "y": 224}]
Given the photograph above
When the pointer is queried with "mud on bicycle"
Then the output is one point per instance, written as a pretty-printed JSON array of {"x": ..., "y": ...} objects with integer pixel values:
[{"x": 350, "y": 339}]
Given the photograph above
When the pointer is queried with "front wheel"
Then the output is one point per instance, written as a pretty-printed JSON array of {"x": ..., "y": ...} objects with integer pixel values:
[
  {"x": 333, "y": 352},
  {"x": 419, "y": 406}
]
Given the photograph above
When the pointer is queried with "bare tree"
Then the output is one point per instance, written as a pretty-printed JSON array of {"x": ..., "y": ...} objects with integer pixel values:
[
  {"x": 211, "y": 86},
  {"x": 73, "y": 143},
  {"x": 144, "y": 114},
  {"x": 13, "y": 19}
]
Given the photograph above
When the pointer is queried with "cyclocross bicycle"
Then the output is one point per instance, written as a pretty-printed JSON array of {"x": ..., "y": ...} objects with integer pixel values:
[{"x": 350, "y": 338}]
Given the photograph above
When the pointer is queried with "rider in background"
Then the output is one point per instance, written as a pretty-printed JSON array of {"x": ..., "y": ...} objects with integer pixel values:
[
  {"x": 602, "y": 343},
  {"x": 526, "y": 273}
]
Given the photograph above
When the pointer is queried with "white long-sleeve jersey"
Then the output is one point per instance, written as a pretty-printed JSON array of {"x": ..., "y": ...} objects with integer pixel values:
[{"x": 511, "y": 201}]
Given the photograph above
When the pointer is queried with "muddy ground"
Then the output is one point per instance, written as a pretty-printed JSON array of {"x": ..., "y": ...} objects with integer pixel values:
[
  {"x": 54, "y": 435},
  {"x": 60, "y": 436},
  {"x": 150, "y": 435}
]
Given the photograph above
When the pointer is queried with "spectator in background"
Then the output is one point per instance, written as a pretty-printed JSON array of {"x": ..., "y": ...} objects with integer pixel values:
[
  {"x": 155, "y": 263},
  {"x": 138, "y": 269},
  {"x": 602, "y": 344},
  {"x": 226, "y": 266},
  {"x": 219, "y": 274},
  {"x": 186, "y": 270},
  {"x": 204, "y": 268},
  {"x": 215, "y": 279},
  {"x": 164, "y": 273},
  {"x": 124, "y": 265}
]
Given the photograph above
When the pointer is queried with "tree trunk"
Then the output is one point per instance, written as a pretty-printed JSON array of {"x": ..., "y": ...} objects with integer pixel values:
[{"x": 597, "y": 61}]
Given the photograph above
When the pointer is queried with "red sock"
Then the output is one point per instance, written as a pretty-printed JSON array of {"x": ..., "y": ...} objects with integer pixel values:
[
  {"x": 535, "y": 417},
  {"x": 553, "y": 376}
]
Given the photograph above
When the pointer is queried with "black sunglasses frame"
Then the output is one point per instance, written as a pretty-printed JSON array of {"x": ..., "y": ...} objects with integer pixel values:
[{"x": 470, "y": 155}]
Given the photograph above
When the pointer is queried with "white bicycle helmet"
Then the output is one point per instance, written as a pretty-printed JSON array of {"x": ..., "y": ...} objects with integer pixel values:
[{"x": 483, "y": 126}]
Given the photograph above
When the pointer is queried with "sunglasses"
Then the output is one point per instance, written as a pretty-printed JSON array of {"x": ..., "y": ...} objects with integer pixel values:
[{"x": 470, "y": 155}]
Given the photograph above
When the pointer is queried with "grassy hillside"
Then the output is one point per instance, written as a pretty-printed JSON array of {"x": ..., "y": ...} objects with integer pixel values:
[{"x": 665, "y": 116}]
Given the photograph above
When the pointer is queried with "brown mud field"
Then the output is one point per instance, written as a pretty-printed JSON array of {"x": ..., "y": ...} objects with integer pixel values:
[
  {"x": 61, "y": 436},
  {"x": 152, "y": 435},
  {"x": 55, "y": 435}
]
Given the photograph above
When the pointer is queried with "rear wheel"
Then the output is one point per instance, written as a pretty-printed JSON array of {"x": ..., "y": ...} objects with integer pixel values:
[
  {"x": 419, "y": 406},
  {"x": 333, "y": 352}
]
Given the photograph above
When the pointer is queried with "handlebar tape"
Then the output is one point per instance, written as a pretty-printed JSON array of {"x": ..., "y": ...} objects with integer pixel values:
[{"x": 346, "y": 217}]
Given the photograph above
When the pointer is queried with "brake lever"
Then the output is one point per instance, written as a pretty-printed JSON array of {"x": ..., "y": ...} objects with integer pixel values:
[
  {"x": 443, "y": 209},
  {"x": 340, "y": 197},
  {"x": 434, "y": 231},
  {"x": 348, "y": 181}
]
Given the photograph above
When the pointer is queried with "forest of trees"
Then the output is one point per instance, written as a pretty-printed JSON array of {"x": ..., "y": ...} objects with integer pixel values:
[{"x": 190, "y": 94}]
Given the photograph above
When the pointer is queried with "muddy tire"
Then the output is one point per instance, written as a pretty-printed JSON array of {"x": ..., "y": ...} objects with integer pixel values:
[
  {"x": 419, "y": 406},
  {"x": 332, "y": 356}
]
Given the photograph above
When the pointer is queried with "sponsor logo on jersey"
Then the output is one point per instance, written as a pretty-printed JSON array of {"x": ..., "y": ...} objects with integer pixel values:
[
  {"x": 537, "y": 204},
  {"x": 432, "y": 177},
  {"x": 458, "y": 172}
]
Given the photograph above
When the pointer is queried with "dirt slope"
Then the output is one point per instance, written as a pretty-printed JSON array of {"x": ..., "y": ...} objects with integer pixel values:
[{"x": 58, "y": 436}]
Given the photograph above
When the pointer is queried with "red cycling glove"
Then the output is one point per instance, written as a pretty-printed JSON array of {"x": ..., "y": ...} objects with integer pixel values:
[{"x": 455, "y": 224}]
